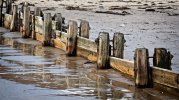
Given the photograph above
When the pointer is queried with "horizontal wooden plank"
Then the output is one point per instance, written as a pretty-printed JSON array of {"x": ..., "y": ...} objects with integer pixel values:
[
  {"x": 158, "y": 75},
  {"x": 39, "y": 37},
  {"x": 86, "y": 48},
  {"x": 86, "y": 44},
  {"x": 59, "y": 44},
  {"x": 122, "y": 65},
  {"x": 165, "y": 77},
  {"x": 171, "y": 79},
  {"x": 60, "y": 40},
  {"x": 7, "y": 20},
  {"x": 61, "y": 35},
  {"x": 92, "y": 56}
]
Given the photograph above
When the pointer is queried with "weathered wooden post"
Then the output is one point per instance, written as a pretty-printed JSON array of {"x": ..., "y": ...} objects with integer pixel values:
[
  {"x": 162, "y": 58},
  {"x": 1, "y": 8},
  {"x": 14, "y": 22},
  {"x": 59, "y": 20},
  {"x": 84, "y": 29},
  {"x": 8, "y": 6},
  {"x": 47, "y": 29},
  {"x": 20, "y": 21},
  {"x": 37, "y": 12},
  {"x": 142, "y": 73},
  {"x": 26, "y": 4},
  {"x": 58, "y": 25},
  {"x": 71, "y": 44},
  {"x": 26, "y": 22},
  {"x": 33, "y": 27},
  {"x": 118, "y": 45},
  {"x": 103, "y": 51}
]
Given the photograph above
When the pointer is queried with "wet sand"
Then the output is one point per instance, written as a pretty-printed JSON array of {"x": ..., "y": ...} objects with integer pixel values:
[
  {"x": 30, "y": 71},
  {"x": 142, "y": 29},
  {"x": 34, "y": 72}
]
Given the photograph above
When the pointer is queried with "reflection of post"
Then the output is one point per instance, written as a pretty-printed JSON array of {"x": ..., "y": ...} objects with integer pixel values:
[
  {"x": 102, "y": 89},
  {"x": 103, "y": 51},
  {"x": 162, "y": 58},
  {"x": 67, "y": 82},
  {"x": 14, "y": 22},
  {"x": 118, "y": 45},
  {"x": 72, "y": 38},
  {"x": 142, "y": 71},
  {"x": 47, "y": 29},
  {"x": 117, "y": 93},
  {"x": 26, "y": 22},
  {"x": 84, "y": 29},
  {"x": 1, "y": 7},
  {"x": 43, "y": 73}
]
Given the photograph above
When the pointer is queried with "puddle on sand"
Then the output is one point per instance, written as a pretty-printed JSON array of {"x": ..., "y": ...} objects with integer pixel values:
[{"x": 46, "y": 73}]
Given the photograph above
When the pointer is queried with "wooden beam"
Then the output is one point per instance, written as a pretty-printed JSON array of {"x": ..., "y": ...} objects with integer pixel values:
[
  {"x": 14, "y": 22},
  {"x": 60, "y": 40},
  {"x": 103, "y": 51},
  {"x": 165, "y": 77},
  {"x": 7, "y": 20},
  {"x": 72, "y": 38},
  {"x": 162, "y": 58},
  {"x": 47, "y": 29},
  {"x": 118, "y": 45},
  {"x": 59, "y": 20},
  {"x": 26, "y": 23},
  {"x": 142, "y": 74},
  {"x": 122, "y": 65},
  {"x": 84, "y": 29}
]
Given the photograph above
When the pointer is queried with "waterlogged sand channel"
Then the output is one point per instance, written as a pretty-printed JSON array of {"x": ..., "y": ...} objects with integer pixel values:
[{"x": 32, "y": 72}]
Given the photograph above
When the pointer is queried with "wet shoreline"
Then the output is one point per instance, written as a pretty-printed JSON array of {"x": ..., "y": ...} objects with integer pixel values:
[
  {"x": 150, "y": 24},
  {"x": 70, "y": 76},
  {"x": 32, "y": 72}
]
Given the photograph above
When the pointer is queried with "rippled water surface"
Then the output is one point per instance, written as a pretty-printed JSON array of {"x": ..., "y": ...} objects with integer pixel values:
[{"x": 33, "y": 72}]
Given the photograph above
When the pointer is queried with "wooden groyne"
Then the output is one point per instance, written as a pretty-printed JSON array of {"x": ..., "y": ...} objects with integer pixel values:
[{"x": 74, "y": 40}]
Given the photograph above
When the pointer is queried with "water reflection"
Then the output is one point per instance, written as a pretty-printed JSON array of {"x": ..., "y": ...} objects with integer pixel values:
[
  {"x": 50, "y": 68},
  {"x": 68, "y": 74}
]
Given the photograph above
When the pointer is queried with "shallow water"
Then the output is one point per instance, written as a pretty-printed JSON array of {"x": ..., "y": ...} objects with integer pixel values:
[
  {"x": 64, "y": 76},
  {"x": 29, "y": 71}
]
